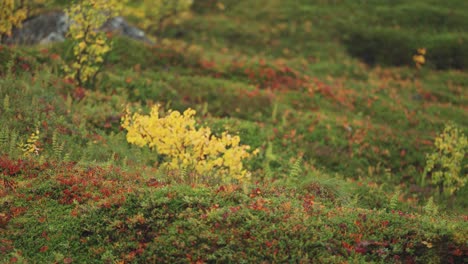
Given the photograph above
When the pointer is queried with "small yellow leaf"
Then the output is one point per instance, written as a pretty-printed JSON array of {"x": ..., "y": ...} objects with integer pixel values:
[
  {"x": 220, "y": 6},
  {"x": 419, "y": 59},
  {"x": 428, "y": 244},
  {"x": 82, "y": 45}
]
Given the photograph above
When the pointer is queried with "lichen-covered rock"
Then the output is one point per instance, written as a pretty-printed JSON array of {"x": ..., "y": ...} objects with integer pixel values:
[
  {"x": 53, "y": 27},
  {"x": 121, "y": 26},
  {"x": 41, "y": 29}
]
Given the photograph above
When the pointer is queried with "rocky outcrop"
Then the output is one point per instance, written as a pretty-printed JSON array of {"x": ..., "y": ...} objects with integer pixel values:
[
  {"x": 53, "y": 27},
  {"x": 44, "y": 28},
  {"x": 121, "y": 26}
]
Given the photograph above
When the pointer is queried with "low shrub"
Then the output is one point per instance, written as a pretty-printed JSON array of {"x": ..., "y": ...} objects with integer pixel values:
[
  {"x": 391, "y": 35},
  {"x": 379, "y": 45},
  {"x": 447, "y": 50},
  {"x": 422, "y": 16},
  {"x": 195, "y": 153}
]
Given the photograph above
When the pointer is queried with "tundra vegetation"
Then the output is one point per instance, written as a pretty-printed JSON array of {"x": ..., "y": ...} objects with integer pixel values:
[{"x": 262, "y": 131}]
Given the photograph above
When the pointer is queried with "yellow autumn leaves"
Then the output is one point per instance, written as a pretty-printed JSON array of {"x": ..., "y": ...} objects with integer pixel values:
[
  {"x": 91, "y": 45},
  {"x": 31, "y": 145},
  {"x": 87, "y": 17},
  {"x": 419, "y": 58},
  {"x": 188, "y": 148},
  {"x": 11, "y": 15},
  {"x": 446, "y": 162}
]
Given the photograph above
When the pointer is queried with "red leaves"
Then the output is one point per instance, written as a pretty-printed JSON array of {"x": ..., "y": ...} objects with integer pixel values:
[
  {"x": 262, "y": 75},
  {"x": 45, "y": 235},
  {"x": 74, "y": 212},
  {"x": 259, "y": 205},
  {"x": 207, "y": 64},
  {"x": 402, "y": 153},
  {"x": 79, "y": 93},
  {"x": 347, "y": 246},
  {"x": 268, "y": 77},
  {"x": 255, "y": 192},
  {"x": 94, "y": 184},
  {"x": 385, "y": 223},
  {"x": 4, "y": 219},
  {"x": 337, "y": 93},
  {"x": 44, "y": 249},
  {"x": 9, "y": 167},
  {"x": 365, "y": 246},
  {"x": 308, "y": 202},
  {"x": 16, "y": 211},
  {"x": 55, "y": 57},
  {"x": 457, "y": 252},
  {"x": 234, "y": 209}
]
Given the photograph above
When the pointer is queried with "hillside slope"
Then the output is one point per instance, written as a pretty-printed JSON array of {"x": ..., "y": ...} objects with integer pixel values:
[{"x": 342, "y": 138}]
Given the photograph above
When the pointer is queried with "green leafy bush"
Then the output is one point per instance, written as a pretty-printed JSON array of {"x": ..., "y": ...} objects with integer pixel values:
[{"x": 447, "y": 164}]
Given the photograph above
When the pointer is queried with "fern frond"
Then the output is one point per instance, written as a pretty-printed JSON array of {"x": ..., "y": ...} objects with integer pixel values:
[
  {"x": 10, "y": 66},
  {"x": 111, "y": 160},
  {"x": 296, "y": 169},
  {"x": 394, "y": 200},
  {"x": 326, "y": 186},
  {"x": 274, "y": 112},
  {"x": 183, "y": 173},
  {"x": 4, "y": 136},
  {"x": 269, "y": 155},
  {"x": 431, "y": 208},
  {"x": 66, "y": 157},
  {"x": 13, "y": 143},
  {"x": 268, "y": 170},
  {"x": 57, "y": 147},
  {"x": 6, "y": 103}
]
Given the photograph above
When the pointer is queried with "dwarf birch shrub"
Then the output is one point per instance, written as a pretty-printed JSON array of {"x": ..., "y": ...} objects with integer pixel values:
[
  {"x": 446, "y": 164},
  {"x": 11, "y": 15},
  {"x": 194, "y": 151},
  {"x": 90, "y": 45}
]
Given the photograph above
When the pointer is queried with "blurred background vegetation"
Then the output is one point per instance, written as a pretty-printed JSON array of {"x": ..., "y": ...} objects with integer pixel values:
[{"x": 328, "y": 91}]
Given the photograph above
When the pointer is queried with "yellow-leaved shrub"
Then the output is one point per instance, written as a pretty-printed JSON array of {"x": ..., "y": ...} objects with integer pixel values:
[
  {"x": 447, "y": 163},
  {"x": 90, "y": 44},
  {"x": 12, "y": 13},
  {"x": 187, "y": 148}
]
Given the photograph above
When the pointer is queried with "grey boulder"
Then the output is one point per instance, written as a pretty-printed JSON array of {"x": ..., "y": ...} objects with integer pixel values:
[{"x": 53, "y": 27}]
